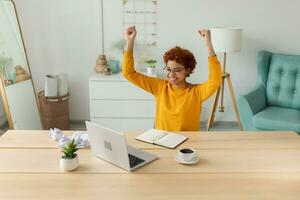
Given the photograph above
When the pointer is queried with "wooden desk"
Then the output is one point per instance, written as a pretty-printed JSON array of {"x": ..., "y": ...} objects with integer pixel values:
[{"x": 233, "y": 165}]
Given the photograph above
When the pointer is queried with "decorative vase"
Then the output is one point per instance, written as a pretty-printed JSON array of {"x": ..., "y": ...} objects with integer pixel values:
[
  {"x": 69, "y": 164},
  {"x": 151, "y": 71},
  {"x": 114, "y": 66},
  {"x": 21, "y": 74},
  {"x": 101, "y": 64},
  {"x": 12, "y": 77}
]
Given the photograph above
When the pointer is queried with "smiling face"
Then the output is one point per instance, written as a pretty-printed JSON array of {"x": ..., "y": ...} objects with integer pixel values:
[
  {"x": 180, "y": 63},
  {"x": 176, "y": 74}
]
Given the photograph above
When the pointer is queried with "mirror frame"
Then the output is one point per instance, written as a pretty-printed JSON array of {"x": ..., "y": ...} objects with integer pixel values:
[{"x": 2, "y": 87}]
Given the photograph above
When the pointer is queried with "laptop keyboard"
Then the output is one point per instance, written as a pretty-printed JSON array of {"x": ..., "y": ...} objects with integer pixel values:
[{"x": 133, "y": 161}]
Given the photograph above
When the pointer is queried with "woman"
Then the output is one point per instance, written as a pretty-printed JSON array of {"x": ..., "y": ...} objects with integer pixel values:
[{"x": 178, "y": 103}]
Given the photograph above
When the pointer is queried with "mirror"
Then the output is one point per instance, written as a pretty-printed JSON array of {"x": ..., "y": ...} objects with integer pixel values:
[{"x": 16, "y": 85}]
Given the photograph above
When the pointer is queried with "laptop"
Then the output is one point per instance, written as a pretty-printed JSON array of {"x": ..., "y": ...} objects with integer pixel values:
[{"x": 111, "y": 146}]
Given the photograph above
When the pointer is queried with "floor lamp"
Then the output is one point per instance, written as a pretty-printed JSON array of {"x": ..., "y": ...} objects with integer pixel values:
[
  {"x": 101, "y": 65},
  {"x": 225, "y": 40}
]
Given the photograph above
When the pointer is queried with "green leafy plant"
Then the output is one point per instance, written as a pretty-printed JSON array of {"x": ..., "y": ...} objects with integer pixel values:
[
  {"x": 150, "y": 62},
  {"x": 119, "y": 45},
  {"x": 4, "y": 60},
  {"x": 69, "y": 150}
]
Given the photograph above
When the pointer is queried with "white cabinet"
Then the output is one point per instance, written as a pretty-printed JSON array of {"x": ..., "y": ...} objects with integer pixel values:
[{"x": 120, "y": 105}]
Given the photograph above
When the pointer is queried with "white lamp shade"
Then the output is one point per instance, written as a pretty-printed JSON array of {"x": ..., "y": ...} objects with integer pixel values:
[{"x": 226, "y": 39}]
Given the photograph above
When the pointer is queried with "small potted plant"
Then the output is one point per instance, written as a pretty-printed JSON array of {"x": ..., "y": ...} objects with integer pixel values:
[
  {"x": 151, "y": 66},
  {"x": 69, "y": 161},
  {"x": 4, "y": 61},
  {"x": 119, "y": 46}
]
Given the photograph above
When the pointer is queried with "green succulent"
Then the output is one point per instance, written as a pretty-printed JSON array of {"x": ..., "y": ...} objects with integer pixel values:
[
  {"x": 4, "y": 59},
  {"x": 150, "y": 62},
  {"x": 119, "y": 45},
  {"x": 69, "y": 150}
]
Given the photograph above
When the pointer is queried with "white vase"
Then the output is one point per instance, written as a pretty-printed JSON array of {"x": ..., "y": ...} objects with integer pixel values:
[
  {"x": 69, "y": 164},
  {"x": 151, "y": 71}
]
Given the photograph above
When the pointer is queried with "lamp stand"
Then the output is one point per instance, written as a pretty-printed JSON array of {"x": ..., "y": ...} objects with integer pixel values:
[
  {"x": 101, "y": 64},
  {"x": 225, "y": 77}
]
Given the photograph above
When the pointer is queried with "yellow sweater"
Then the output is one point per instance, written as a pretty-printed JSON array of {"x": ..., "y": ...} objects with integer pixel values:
[{"x": 176, "y": 109}]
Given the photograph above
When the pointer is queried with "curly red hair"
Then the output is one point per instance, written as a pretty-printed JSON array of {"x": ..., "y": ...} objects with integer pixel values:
[{"x": 181, "y": 56}]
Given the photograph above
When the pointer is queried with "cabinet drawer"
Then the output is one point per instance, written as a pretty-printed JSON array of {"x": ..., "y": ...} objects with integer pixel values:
[
  {"x": 116, "y": 90},
  {"x": 122, "y": 108},
  {"x": 123, "y": 124}
]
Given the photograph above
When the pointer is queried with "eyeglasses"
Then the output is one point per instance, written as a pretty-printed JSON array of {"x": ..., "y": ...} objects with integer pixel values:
[{"x": 176, "y": 70}]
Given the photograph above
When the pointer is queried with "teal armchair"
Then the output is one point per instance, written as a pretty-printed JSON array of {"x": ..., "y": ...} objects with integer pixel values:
[{"x": 274, "y": 104}]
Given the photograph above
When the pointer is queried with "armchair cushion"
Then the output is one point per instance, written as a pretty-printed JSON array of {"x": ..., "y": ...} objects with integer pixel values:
[
  {"x": 277, "y": 118},
  {"x": 283, "y": 82}
]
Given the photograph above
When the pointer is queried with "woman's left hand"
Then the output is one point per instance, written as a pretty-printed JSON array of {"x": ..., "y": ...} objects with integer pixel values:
[{"x": 205, "y": 34}]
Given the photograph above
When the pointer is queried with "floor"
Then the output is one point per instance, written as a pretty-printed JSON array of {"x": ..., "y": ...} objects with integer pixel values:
[
  {"x": 221, "y": 126},
  {"x": 3, "y": 128},
  {"x": 217, "y": 126}
]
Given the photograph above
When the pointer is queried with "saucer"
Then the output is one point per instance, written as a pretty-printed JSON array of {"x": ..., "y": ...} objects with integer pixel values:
[{"x": 190, "y": 162}]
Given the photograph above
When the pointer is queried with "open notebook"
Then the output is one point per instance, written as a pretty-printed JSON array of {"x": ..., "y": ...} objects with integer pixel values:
[{"x": 162, "y": 138}]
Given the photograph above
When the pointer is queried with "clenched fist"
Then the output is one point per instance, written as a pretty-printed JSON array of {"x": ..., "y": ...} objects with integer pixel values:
[{"x": 130, "y": 34}]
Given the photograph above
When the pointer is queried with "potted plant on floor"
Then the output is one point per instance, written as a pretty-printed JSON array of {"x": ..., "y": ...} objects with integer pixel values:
[
  {"x": 151, "y": 66},
  {"x": 69, "y": 161}
]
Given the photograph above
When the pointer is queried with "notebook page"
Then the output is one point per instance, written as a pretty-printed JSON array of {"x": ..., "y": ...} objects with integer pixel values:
[
  {"x": 171, "y": 140},
  {"x": 151, "y": 136}
]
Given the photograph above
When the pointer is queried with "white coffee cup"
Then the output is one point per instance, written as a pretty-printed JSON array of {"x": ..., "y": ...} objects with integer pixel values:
[{"x": 187, "y": 154}]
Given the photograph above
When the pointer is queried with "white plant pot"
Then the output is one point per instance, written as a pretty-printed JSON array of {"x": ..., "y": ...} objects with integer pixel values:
[
  {"x": 69, "y": 164},
  {"x": 151, "y": 71}
]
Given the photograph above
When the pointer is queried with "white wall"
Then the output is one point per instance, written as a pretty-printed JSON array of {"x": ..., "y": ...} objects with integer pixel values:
[{"x": 62, "y": 36}]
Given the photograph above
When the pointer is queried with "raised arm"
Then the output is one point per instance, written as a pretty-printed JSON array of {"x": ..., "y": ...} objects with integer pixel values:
[
  {"x": 151, "y": 85},
  {"x": 205, "y": 35},
  {"x": 215, "y": 73},
  {"x": 130, "y": 35}
]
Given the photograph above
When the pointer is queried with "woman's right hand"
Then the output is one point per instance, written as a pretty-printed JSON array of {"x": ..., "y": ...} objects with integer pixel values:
[
  {"x": 205, "y": 34},
  {"x": 130, "y": 34}
]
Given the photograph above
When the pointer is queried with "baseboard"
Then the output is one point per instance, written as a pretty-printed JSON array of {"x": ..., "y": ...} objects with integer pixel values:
[{"x": 78, "y": 122}]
